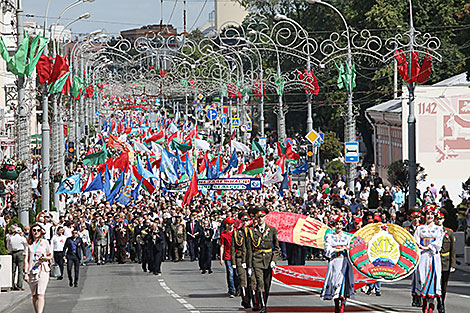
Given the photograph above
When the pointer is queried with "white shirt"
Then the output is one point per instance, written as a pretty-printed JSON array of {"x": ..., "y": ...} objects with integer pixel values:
[
  {"x": 84, "y": 234},
  {"x": 58, "y": 242},
  {"x": 34, "y": 183},
  {"x": 16, "y": 243},
  {"x": 67, "y": 232}
]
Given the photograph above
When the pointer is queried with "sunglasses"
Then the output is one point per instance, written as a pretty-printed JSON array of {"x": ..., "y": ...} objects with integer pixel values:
[{"x": 36, "y": 230}]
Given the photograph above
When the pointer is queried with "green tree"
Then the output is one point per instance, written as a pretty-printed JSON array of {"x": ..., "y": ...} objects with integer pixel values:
[
  {"x": 398, "y": 174},
  {"x": 335, "y": 168},
  {"x": 331, "y": 148},
  {"x": 3, "y": 249}
]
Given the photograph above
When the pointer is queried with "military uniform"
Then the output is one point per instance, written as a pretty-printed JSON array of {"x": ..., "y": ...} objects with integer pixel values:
[
  {"x": 239, "y": 257},
  {"x": 263, "y": 249},
  {"x": 177, "y": 239},
  {"x": 145, "y": 241},
  {"x": 448, "y": 261},
  {"x": 417, "y": 301}
]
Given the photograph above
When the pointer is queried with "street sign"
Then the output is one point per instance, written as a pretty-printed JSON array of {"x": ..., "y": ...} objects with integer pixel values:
[
  {"x": 262, "y": 142},
  {"x": 199, "y": 108},
  {"x": 243, "y": 128},
  {"x": 249, "y": 126},
  {"x": 212, "y": 114},
  {"x": 200, "y": 97},
  {"x": 223, "y": 119},
  {"x": 351, "y": 152},
  {"x": 235, "y": 122},
  {"x": 312, "y": 136},
  {"x": 322, "y": 138}
]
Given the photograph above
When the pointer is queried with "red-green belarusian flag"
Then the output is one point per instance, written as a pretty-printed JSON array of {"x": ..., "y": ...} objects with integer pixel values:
[{"x": 255, "y": 167}]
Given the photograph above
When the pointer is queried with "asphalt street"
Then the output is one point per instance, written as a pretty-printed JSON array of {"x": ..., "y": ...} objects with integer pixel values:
[{"x": 181, "y": 288}]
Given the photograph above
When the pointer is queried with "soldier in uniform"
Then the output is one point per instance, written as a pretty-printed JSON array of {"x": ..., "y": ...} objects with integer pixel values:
[
  {"x": 178, "y": 238},
  {"x": 263, "y": 252},
  {"x": 448, "y": 259},
  {"x": 415, "y": 222},
  {"x": 238, "y": 252}
]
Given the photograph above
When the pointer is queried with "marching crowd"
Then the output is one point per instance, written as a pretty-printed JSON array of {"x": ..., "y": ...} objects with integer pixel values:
[{"x": 157, "y": 228}]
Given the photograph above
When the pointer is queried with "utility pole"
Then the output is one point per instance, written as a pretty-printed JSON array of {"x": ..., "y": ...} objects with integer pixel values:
[{"x": 23, "y": 135}]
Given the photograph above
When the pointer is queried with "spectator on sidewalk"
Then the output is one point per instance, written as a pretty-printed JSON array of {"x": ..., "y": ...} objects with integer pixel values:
[
  {"x": 225, "y": 243},
  {"x": 36, "y": 266},
  {"x": 16, "y": 243}
]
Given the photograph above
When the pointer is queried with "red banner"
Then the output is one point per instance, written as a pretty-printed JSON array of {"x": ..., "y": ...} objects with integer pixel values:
[{"x": 312, "y": 276}]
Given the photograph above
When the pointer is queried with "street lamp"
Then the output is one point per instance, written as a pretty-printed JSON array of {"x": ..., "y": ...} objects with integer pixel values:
[{"x": 350, "y": 127}]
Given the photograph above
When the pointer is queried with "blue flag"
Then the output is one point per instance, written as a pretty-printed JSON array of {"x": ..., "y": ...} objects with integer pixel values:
[
  {"x": 179, "y": 164},
  {"x": 126, "y": 192},
  {"x": 189, "y": 167},
  {"x": 300, "y": 169},
  {"x": 107, "y": 182},
  {"x": 142, "y": 171},
  {"x": 96, "y": 184},
  {"x": 214, "y": 172},
  {"x": 284, "y": 184},
  {"x": 232, "y": 163},
  {"x": 135, "y": 192},
  {"x": 116, "y": 188},
  {"x": 167, "y": 166},
  {"x": 149, "y": 165},
  {"x": 70, "y": 185}
]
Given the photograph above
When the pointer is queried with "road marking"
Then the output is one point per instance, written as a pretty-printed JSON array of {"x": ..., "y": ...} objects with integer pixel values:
[
  {"x": 463, "y": 296},
  {"x": 178, "y": 298},
  {"x": 353, "y": 302}
]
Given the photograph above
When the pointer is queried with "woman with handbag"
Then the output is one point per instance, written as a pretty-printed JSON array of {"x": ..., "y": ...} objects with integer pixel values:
[{"x": 36, "y": 265}]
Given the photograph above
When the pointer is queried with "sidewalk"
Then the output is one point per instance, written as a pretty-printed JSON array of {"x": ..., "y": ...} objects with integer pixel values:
[{"x": 10, "y": 299}]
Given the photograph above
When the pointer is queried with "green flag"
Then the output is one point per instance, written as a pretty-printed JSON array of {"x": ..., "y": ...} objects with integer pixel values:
[
  {"x": 280, "y": 82},
  {"x": 77, "y": 85},
  {"x": 4, "y": 51},
  {"x": 255, "y": 146},
  {"x": 345, "y": 76},
  {"x": 17, "y": 64},
  {"x": 97, "y": 158},
  {"x": 180, "y": 146},
  {"x": 59, "y": 84},
  {"x": 35, "y": 53}
]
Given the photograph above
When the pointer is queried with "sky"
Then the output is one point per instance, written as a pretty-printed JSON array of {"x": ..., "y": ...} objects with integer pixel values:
[{"x": 117, "y": 15}]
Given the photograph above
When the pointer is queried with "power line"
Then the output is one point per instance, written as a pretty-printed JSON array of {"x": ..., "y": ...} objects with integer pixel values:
[{"x": 200, "y": 12}]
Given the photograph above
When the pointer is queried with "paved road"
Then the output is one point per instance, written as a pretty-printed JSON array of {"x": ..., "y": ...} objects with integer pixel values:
[{"x": 181, "y": 288}]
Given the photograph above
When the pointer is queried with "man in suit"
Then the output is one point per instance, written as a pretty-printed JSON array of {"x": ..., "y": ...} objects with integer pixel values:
[
  {"x": 263, "y": 252},
  {"x": 448, "y": 260},
  {"x": 71, "y": 247},
  {"x": 101, "y": 240},
  {"x": 193, "y": 232}
]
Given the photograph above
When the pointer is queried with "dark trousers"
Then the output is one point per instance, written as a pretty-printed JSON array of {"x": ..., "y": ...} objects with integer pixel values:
[
  {"x": 72, "y": 259},
  {"x": 147, "y": 257},
  {"x": 205, "y": 257},
  {"x": 444, "y": 281},
  {"x": 59, "y": 260},
  {"x": 121, "y": 253},
  {"x": 263, "y": 278},
  {"x": 157, "y": 259},
  {"x": 193, "y": 249}
]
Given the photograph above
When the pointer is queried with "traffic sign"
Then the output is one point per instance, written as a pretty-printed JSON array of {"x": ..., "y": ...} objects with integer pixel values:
[
  {"x": 235, "y": 122},
  {"x": 199, "y": 108},
  {"x": 312, "y": 136},
  {"x": 200, "y": 97},
  {"x": 212, "y": 114},
  {"x": 351, "y": 152},
  {"x": 322, "y": 138},
  {"x": 249, "y": 126},
  {"x": 243, "y": 128},
  {"x": 223, "y": 119}
]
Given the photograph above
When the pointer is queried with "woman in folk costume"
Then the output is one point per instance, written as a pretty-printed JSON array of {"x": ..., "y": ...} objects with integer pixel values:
[
  {"x": 428, "y": 273},
  {"x": 339, "y": 280}
]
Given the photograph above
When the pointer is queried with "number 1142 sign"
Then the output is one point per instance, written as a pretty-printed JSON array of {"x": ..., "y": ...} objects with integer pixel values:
[{"x": 427, "y": 108}]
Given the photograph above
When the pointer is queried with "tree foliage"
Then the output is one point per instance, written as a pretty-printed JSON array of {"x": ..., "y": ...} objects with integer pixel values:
[
  {"x": 449, "y": 20},
  {"x": 335, "y": 168},
  {"x": 331, "y": 148},
  {"x": 398, "y": 174}
]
